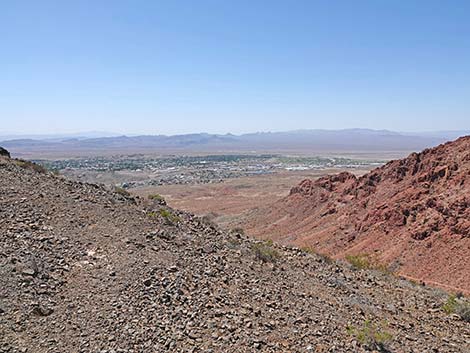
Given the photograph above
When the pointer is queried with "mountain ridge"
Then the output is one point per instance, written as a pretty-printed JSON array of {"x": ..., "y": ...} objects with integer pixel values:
[{"x": 305, "y": 141}]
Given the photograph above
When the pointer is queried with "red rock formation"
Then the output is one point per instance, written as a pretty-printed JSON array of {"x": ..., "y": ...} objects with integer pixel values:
[{"x": 412, "y": 214}]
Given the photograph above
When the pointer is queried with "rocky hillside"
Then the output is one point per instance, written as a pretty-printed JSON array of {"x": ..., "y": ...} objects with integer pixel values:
[
  {"x": 412, "y": 215},
  {"x": 86, "y": 269}
]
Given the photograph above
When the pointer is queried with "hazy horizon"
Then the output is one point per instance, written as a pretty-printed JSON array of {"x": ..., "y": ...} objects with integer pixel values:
[
  {"x": 157, "y": 67},
  {"x": 99, "y": 134}
]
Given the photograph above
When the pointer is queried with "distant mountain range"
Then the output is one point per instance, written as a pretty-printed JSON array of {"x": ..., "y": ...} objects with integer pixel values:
[
  {"x": 297, "y": 141},
  {"x": 57, "y": 137}
]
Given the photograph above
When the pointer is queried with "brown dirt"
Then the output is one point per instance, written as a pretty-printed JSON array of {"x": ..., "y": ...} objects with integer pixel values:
[
  {"x": 226, "y": 202},
  {"x": 411, "y": 214}
]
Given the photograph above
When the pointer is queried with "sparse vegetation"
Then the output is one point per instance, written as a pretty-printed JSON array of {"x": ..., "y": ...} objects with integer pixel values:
[
  {"x": 238, "y": 230},
  {"x": 168, "y": 216},
  {"x": 360, "y": 261},
  {"x": 30, "y": 165},
  {"x": 456, "y": 304},
  {"x": 370, "y": 335},
  {"x": 208, "y": 220},
  {"x": 156, "y": 197},
  {"x": 327, "y": 259},
  {"x": 121, "y": 191},
  {"x": 310, "y": 250},
  {"x": 366, "y": 262},
  {"x": 234, "y": 243},
  {"x": 265, "y": 252}
]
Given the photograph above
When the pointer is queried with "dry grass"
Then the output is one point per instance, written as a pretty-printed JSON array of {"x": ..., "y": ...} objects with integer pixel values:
[{"x": 366, "y": 262}]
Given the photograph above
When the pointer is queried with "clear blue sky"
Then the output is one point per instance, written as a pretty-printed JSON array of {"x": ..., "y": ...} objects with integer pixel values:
[{"x": 233, "y": 66}]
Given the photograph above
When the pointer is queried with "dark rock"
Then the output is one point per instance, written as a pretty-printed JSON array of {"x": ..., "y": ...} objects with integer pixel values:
[
  {"x": 42, "y": 311},
  {"x": 4, "y": 152}
]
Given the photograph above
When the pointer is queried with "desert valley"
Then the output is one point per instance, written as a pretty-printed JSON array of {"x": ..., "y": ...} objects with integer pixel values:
[{"x": 235, "y": 176}]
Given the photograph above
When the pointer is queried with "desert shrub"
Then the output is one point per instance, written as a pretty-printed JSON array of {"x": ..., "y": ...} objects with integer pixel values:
[
  {"x": 233, "y": 243},
  {"x": 168, "y": 216},
  {"x": 208, "y": 220},
  {"x": 309, "y": 250},
  {"x": 30, "y": 165},
  {"x": 360, "y": 261},
  {"x": 370, "y": 335},
  {"x": 327, "y": 259},
  {"x": 457, "y": 305},
  {"x": 121, "y": 191},
  {"x": 463, "y": 310},
  {"x": 265, "y": 252},
  {"x": 450, "y": 304},
  {"x": 366, "y": 262},
  {"x": 156, "y": 197},
  {"x": 212, "y": 215},
  {"x": 238, "y": 230}
]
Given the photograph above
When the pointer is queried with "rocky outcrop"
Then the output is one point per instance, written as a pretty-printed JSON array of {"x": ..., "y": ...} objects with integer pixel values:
[
  {"x": 86, "y": 269},
  {"x": 329, "y": 183},
  {"x": 412, "y": 214},
  {"x": 4, "y": 153}
]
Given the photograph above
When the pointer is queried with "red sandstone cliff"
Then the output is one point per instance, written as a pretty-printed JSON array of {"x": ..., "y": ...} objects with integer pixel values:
[{"x": 412, "y": 214}]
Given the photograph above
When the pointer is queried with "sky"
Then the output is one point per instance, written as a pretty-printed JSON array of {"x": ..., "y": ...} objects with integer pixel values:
[{"x": 171, "y": 67}]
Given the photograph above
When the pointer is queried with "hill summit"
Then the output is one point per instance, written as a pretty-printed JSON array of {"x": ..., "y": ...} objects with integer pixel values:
[
  {"x": 411, "y": 214},
  {"x": 89, "y": 269}
]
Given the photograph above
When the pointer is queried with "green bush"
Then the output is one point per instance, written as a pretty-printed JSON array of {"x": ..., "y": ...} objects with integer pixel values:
[
  {"x": 265, "y": 251},
  {"x": 370, "y": 336},
  {"x": 156, "y": 197},
  {"x": 457, "y": 305},
  {"x": 168, "y": 216}
]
